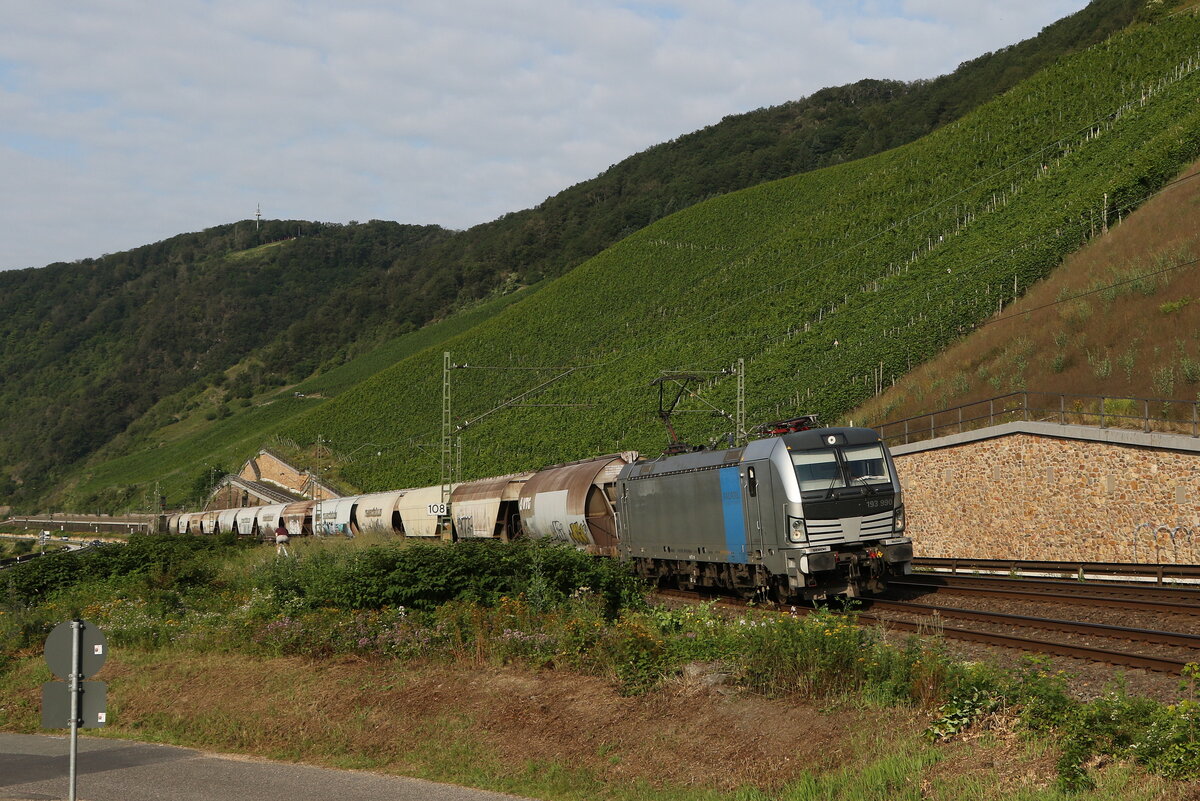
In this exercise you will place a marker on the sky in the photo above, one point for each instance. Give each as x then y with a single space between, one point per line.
124 122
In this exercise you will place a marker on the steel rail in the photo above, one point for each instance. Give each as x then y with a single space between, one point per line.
1076 570
1017 590
1113 589
1106 656
1058 587
1049 624
1124 659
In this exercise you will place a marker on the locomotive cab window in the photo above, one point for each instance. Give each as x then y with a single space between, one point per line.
817 470
835 468
865 464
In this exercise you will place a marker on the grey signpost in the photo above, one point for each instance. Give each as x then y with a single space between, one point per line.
75 650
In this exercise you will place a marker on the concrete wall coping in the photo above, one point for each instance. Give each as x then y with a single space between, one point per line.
1111 436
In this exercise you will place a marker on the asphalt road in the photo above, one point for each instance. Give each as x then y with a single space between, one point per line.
34 767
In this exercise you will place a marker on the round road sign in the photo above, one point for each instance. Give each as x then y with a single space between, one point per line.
93 649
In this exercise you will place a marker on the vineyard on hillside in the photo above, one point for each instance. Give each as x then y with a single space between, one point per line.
827 283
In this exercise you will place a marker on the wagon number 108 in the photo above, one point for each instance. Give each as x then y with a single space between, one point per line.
437 509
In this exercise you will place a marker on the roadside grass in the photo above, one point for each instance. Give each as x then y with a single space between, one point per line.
297 710
324 657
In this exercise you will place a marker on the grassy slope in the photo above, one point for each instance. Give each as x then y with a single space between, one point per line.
1089 328
578 741
892 257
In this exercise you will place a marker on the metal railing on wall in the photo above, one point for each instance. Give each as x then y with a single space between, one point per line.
1144 414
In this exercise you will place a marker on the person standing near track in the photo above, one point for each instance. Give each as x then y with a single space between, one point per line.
281 541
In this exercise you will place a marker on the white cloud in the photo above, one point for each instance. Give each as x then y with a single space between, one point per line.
126 122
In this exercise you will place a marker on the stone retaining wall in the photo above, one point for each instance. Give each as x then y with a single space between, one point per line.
1042 491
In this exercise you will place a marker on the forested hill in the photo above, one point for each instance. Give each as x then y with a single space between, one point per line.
88 348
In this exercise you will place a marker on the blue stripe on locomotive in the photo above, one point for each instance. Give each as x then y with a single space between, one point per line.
731 507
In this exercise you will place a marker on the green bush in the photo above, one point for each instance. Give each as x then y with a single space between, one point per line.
1163 738
166 564
424 576
1172 306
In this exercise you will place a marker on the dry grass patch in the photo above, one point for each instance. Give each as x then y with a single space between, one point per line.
392 717
558 735
1091 327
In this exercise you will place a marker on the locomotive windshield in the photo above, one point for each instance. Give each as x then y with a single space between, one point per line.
856 465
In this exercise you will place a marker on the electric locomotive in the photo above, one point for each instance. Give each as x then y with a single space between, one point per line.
804 514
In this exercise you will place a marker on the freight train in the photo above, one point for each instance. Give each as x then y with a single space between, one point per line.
801 514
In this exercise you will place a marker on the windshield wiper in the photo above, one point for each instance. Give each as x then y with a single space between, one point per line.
870 489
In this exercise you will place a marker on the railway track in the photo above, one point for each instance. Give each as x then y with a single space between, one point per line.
1105 655
1149 636
931 619
1113 596
1156 650
1081 571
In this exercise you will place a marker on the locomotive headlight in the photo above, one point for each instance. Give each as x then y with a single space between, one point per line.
796 530
898 520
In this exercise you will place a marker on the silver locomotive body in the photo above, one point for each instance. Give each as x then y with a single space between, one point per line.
807 514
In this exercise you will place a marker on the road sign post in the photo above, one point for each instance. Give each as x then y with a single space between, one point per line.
75 650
